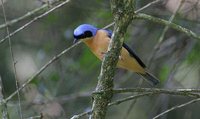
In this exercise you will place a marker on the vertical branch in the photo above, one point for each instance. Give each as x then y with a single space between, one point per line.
3 103
170 21
161 38
122 11
13 60
164 100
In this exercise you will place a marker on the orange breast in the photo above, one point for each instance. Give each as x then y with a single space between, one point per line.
99 45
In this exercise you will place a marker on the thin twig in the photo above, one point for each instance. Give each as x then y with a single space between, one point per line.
81 115
42 69
112 103
148 92
170 21
130 98
137 11
141 79
177 107
29 14
134 101
34 19
165 99
183 92
4 109
13 61
148 5
109 25
33 12
145 92
164 31
64 99
36 117
165 22
161 38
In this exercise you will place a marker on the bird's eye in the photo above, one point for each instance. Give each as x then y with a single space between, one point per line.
88 34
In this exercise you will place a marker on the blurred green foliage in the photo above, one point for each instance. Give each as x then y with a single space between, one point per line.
194 56
77 71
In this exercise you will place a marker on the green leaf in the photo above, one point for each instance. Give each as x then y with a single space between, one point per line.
164 72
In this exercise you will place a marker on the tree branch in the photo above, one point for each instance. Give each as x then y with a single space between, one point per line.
156 90
29 14
41 70
13 61
113 103
146 92
33 20
148 5
182 92
167 23
161 38
121 11
177 107
137 11
81 115
130 98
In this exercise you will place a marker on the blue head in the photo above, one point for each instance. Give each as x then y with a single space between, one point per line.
84 31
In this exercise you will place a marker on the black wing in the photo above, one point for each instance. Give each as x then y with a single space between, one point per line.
132 53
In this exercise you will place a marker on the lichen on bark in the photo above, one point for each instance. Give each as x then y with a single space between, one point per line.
123 14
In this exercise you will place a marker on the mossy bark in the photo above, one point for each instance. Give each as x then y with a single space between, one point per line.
123 15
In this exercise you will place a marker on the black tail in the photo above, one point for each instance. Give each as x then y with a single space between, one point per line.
151 78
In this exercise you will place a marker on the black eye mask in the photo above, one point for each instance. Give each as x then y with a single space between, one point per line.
86 34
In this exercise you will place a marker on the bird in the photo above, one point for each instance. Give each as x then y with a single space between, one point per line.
98 40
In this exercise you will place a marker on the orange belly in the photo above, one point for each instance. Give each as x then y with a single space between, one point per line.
125 61
99 45
128 62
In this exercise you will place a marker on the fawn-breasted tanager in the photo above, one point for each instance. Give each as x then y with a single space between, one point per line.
98 40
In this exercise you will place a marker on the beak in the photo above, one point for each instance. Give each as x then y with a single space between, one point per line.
75 41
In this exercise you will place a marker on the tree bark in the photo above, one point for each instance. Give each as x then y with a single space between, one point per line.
123 15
